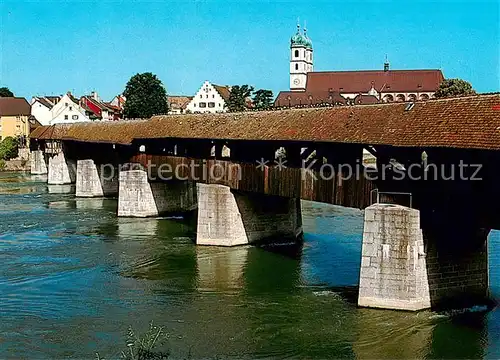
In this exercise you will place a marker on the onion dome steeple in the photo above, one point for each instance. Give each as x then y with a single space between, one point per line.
300 39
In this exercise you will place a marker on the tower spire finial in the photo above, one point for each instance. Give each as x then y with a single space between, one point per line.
298 26
386 63
305 28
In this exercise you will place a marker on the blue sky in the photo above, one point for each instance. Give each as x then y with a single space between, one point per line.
50 47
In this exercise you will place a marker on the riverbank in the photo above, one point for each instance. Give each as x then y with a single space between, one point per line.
14 165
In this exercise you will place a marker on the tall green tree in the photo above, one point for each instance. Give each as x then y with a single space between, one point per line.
9 148
238 96
145 96
454 87
263 99
5 92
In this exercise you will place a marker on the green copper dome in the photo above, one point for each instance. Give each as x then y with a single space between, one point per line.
300 39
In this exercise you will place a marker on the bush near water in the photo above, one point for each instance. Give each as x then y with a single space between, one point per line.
9 148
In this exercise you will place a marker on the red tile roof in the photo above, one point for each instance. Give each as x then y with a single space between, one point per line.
224 91
178 101
468 122
13 106
306 98
387 81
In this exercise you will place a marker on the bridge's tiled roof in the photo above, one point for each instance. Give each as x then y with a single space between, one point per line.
468 122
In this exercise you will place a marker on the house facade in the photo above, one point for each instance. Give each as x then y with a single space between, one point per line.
96 109
210 98
178 104
49 110
118 101
15 118
68 110
41 108
308 87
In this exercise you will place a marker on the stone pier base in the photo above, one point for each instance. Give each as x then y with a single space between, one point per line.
95 180
406 266
61 170
228 218
393 265
137 197
38 164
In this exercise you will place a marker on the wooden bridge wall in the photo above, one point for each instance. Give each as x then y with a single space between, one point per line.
288 182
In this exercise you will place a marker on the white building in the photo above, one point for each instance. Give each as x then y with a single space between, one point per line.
210 98
309 87
177 104
41 108
68 110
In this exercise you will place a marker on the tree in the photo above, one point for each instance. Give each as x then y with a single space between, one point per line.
9 148
454 87
5 92
237 97
263 99
145 96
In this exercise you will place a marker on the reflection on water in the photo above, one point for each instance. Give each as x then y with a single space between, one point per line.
221 268
73 277
61 189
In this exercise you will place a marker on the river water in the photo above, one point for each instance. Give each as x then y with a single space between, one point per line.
74 277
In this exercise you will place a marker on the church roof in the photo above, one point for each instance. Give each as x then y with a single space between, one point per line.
300 39
382 81
307 98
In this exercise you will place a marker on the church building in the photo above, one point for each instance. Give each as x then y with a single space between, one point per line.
308 87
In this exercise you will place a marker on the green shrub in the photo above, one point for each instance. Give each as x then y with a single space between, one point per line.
2 164
9 148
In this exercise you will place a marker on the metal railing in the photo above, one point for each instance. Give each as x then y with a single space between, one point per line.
391 195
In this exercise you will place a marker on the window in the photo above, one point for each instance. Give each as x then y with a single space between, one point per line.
66 104
70 108
75 117
203 104
194 105
220 105
296 66
65 117
201 96
296 53
213 96
211 104
207 96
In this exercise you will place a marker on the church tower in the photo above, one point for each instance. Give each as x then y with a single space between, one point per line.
301 60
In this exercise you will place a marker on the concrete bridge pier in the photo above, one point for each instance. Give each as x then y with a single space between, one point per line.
38 163
406 268
138 197
96 180
227 217
61 170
